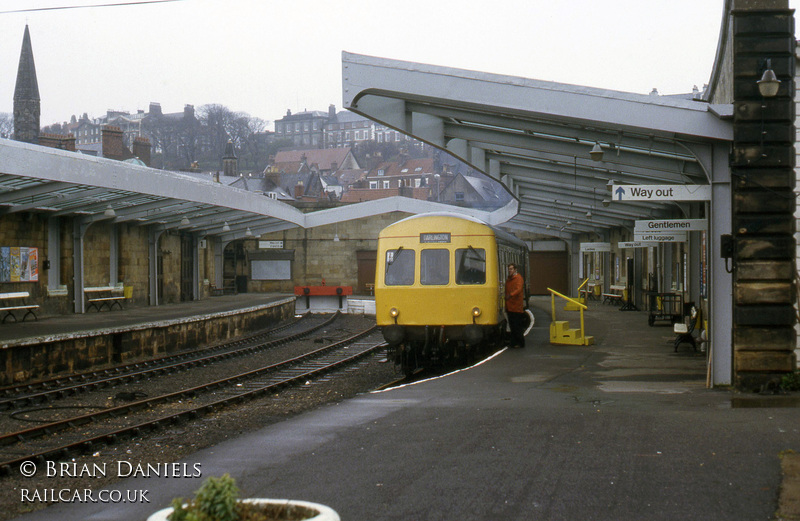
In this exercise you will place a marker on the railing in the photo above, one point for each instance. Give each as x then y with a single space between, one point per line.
581 307
580 288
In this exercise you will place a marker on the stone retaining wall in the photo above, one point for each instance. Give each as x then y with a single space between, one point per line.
48 357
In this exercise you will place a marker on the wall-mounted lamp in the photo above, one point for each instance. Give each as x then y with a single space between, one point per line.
589 214
606 202
610 185
769 83
109 212
336 237
185 221
248 233
596 152
226 227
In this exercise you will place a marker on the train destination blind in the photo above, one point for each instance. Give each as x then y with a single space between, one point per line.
434 237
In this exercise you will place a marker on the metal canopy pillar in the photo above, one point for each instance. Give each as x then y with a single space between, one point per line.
763 199
153 237
80 225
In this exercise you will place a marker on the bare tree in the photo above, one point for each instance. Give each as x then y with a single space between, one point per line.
6 125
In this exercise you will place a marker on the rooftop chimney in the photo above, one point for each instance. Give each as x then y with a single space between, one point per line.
141 149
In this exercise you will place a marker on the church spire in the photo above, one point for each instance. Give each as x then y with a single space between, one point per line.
27 104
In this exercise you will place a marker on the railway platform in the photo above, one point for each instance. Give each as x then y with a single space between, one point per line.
623 429
53 345
49 326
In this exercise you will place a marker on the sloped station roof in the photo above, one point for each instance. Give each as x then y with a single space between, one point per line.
531 135
535 137
60 183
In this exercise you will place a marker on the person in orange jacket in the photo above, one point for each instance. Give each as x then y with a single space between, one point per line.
515 306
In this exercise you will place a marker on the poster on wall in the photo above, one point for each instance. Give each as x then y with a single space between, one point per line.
15 264
19 264
5 264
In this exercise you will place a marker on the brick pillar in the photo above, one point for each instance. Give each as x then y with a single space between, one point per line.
113 148
763 180
142 149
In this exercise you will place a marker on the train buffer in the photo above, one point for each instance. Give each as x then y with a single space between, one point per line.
321 299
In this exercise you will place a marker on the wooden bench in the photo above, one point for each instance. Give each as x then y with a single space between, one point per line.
10 302
614 296
99 296
683 330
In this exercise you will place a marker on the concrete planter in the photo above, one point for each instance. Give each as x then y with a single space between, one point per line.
324 513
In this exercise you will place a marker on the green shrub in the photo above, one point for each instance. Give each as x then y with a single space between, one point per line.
217 500
791 381
214 501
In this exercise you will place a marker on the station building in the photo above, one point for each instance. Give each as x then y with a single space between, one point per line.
569 156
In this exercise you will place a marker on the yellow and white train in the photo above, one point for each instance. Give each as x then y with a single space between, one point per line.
439 287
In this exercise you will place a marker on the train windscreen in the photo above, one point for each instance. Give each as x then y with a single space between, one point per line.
399 267
471 266
435 268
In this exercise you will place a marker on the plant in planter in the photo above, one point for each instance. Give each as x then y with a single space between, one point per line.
218 500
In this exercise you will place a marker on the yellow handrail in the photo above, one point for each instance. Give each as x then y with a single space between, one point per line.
582 285
581 307
554 292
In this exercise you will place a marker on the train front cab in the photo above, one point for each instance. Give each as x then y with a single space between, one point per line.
438 290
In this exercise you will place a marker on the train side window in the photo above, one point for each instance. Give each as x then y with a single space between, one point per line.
399 267
435 267
471 266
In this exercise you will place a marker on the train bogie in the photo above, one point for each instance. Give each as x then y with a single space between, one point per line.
439 287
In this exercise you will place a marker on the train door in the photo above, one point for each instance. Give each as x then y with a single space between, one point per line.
551 269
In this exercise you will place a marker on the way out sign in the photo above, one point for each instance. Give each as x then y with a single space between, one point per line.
661 192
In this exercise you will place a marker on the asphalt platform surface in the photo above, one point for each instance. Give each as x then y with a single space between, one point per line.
45 327
624 429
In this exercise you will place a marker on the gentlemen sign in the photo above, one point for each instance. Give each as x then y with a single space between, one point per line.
671 226
661 192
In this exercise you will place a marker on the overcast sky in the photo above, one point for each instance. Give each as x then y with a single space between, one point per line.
264 57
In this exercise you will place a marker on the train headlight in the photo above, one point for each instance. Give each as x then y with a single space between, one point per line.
394 312
476 311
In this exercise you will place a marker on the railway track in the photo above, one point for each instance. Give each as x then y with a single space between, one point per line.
85 432
47 391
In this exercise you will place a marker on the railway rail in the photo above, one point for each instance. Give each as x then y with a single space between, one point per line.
14 397
40 443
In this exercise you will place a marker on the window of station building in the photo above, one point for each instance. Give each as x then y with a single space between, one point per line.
459 196
399 267
470 266
373 185
434 267
386 184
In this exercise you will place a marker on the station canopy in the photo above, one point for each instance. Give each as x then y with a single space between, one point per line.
60 183
536 137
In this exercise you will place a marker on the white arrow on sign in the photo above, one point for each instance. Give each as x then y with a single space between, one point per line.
661 192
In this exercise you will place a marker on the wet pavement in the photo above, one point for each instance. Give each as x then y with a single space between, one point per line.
622 429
